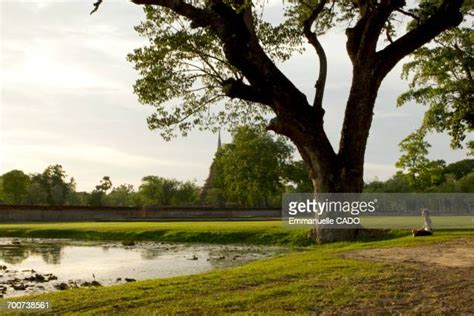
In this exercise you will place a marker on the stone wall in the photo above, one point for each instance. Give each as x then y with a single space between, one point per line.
23 213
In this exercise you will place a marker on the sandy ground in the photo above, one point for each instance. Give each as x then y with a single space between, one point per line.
429 280
459 253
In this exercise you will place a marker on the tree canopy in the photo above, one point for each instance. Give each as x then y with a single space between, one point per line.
442 80
160 191
15 186
249 171
51 186
214 62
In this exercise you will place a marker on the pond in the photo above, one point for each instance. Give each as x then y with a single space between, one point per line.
38 265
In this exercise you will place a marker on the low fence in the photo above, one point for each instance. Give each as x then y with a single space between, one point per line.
26 213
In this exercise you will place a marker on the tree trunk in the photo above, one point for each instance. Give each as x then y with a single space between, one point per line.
344 172
337 184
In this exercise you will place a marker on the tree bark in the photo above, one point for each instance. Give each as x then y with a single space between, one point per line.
340 172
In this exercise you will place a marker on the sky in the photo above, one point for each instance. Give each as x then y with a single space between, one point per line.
66 97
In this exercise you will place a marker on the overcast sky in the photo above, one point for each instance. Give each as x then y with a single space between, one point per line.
66 98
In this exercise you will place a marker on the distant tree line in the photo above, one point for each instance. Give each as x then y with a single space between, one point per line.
53 187
417 173
431 176
254 170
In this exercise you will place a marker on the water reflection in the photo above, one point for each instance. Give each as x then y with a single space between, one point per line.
78 262
15 254
151 253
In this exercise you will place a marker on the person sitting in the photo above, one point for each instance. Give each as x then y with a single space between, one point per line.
427 230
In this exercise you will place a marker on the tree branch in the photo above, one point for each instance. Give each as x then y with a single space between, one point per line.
323 65
235 88
446 16
363 37
241 48
96 6
410 14
200 17
267 84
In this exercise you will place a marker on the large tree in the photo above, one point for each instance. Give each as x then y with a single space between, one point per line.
160 191
207 52
251 168
51 187
15 185
99 195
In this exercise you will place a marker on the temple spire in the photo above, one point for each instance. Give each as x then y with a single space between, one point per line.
219 144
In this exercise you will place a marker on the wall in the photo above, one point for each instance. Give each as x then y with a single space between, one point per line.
22 213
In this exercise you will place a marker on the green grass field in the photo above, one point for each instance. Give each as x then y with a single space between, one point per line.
261 232
314 280
205 232
410 222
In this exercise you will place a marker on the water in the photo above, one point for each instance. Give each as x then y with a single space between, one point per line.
66 263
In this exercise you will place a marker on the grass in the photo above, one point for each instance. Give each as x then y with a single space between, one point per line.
264 233
409 222
205 232
312 281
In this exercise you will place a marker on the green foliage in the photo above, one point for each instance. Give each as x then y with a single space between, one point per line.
414 149
15 186
442 79
122 195
2 195
214 197
187 194
98 196
463 184
399 183
37 195
297 178
157 191
165 192
460 168
184 73
186 67
250 168
104 185
433 176
51 187
422 172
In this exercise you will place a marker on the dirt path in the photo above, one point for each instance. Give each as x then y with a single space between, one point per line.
458 253
435 279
